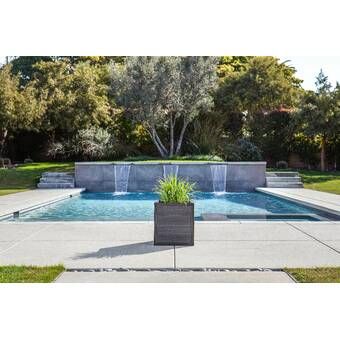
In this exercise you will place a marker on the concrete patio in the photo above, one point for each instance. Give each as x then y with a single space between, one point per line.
218 245
97 245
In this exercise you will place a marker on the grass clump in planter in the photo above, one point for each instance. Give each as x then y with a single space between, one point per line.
174 213
174 190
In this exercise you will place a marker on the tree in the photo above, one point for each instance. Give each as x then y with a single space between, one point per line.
230 64
160 92
24 67
19 107
75 96
263 85
319 114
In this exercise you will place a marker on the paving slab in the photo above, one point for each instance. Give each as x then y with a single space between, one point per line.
17 232
263 231
27 199
174 277
256 254
321 231
5 245
333 244
91 231
89 254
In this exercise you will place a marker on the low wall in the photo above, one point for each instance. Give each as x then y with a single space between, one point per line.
100 176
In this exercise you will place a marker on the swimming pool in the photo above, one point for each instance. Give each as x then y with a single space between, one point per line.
140 206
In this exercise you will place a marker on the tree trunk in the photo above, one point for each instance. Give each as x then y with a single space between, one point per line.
156 140
172 126
323 154
180 139
3 136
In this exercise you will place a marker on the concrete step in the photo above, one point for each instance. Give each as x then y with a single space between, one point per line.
284 185
55 185
56 180
283 179
282 174
57 174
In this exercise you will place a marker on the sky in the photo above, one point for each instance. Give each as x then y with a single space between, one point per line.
307 68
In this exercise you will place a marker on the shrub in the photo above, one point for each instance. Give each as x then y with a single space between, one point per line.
89 144
56 150
282 165
242 150
92 144
174 190
211 158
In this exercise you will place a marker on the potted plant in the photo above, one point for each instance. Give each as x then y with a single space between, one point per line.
174 213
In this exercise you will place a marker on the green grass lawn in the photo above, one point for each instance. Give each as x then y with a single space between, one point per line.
321 181
26 176
318 180
315 275
29 274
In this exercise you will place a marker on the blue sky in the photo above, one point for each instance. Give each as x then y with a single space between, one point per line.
307 68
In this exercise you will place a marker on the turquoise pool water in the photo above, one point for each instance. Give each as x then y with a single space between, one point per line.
139 207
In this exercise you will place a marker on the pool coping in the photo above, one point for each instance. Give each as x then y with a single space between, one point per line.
168 162
296 198
77 191
67 194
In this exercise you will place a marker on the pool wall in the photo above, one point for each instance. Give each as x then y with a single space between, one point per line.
100 176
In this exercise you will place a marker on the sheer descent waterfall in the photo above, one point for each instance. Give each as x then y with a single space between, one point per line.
122 172
170 169
219 177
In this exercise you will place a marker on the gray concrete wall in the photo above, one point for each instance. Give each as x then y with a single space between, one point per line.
241 176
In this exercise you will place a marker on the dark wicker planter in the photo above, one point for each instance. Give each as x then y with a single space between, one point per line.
174 224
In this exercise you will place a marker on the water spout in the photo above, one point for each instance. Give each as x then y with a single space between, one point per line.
170 169
219 178
122 172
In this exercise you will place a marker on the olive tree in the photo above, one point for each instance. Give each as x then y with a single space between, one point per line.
165 93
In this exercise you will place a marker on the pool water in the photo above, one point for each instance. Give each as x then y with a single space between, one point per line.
140 207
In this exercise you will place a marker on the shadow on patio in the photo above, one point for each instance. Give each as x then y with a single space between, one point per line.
124 250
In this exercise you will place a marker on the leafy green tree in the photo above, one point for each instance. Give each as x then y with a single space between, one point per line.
319 114
230 64
19 108
24 67
263 85
75 96
163 92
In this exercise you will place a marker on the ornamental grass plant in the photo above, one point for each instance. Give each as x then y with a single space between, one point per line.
174 190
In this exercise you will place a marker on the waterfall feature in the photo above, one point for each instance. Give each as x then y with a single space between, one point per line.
122 172
170 169
219 177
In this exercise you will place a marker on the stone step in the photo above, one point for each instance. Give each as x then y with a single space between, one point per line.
55 185
57 174
284 185
56 180
283 179
282 174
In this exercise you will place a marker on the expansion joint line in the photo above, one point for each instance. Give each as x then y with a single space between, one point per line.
314 238
175 257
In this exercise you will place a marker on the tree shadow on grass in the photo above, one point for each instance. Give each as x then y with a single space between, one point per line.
310 177
140 248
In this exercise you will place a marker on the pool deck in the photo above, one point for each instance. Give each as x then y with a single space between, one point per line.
312 198
33 198
219 246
